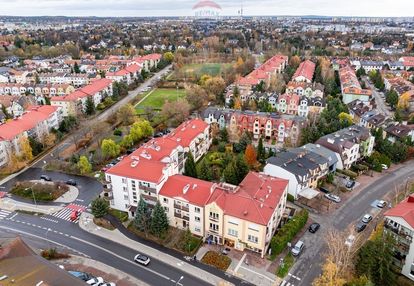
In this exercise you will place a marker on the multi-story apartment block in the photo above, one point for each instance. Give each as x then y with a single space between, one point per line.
304 72
36 122
399 223
350 143
269 126
144 172
350 86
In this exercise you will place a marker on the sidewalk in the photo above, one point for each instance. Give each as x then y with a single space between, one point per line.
86 223
96 268
68 197
12 205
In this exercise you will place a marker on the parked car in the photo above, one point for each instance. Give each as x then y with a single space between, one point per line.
81 275
297 249
384 167
314 227
333 198
350 184
350 240
367 218
323 190
45 178
71 182
158 134
142 259
95 281
381 204
360 226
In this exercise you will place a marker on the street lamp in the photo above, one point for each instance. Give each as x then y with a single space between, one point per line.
181 278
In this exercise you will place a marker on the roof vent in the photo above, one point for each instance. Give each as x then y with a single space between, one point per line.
134 163
245 212
261 205
185 189
194 186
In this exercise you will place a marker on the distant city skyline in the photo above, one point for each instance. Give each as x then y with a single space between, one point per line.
140 8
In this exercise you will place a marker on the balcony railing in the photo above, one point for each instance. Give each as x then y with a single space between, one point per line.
148 189
401 233
181 207
177 215
186 218
150 198
214 230
213 218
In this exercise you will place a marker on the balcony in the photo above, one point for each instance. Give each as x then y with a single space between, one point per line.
213 218
108 196
213 230
149 198
403 236
186 218
181 207
148 189
177 215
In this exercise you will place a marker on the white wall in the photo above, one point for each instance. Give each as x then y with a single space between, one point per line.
276 171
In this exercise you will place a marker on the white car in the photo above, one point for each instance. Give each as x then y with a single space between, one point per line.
384 167
297 249
333 198
95 281
350 240
142 259
367 218
381 204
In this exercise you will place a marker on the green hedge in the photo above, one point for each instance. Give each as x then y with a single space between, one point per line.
287 232
290 198
349 173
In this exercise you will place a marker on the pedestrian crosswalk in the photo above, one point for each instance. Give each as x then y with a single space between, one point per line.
66 212
4 214
285 283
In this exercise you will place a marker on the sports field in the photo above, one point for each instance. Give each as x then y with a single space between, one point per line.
191 71
158 97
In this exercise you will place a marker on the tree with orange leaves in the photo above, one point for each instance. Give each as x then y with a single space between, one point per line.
250 155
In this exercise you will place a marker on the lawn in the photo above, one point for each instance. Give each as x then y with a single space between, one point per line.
191 71
158 97
41 191
220 261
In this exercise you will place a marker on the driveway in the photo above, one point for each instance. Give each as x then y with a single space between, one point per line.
308 266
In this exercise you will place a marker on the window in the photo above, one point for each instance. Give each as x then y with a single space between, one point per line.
252 238
197 229
214 215
412 269
214 226
166 209
197 219
125 189
124 180
233 232
126 197
165 200
197 210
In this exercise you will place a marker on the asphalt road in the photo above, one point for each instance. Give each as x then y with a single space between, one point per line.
89 188
118 256
381 106
308 265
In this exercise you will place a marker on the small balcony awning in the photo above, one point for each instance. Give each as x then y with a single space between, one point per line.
309 193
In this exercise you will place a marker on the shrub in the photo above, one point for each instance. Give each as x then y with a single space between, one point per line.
117 132
99 207
52 253
283 269
100 106
349 173
287 232
290 198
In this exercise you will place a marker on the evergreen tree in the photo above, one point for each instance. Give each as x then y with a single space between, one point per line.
190 166
159 220
241 168
90 106
115 92
99 207
230 173
260 150
76 68
142 216
204 171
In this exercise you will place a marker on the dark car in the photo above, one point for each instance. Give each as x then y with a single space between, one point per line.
350 184
360 226
81 275
45 178
314 227
323 190
158 134
71 182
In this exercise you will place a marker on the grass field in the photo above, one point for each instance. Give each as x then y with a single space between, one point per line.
197 70
158 97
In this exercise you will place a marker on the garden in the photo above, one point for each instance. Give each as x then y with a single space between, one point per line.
217 260
158 97
39 191
195 71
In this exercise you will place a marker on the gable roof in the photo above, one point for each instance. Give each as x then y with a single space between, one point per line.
404 210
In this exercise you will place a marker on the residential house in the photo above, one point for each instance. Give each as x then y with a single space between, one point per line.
399 223
304 72
350 143
400 131
351 88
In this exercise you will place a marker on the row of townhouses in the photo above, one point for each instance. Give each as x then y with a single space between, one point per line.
36 122
36 89
350 86
272 127
243 217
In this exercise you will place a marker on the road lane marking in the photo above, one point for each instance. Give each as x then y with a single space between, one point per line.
257 273
120 257
240 263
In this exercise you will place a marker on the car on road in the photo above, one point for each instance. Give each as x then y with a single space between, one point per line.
381 204
314 227
333 198
71 182
45 178
74 215
297 249
81 275
95 281
142 259
360 226
367 218
350 240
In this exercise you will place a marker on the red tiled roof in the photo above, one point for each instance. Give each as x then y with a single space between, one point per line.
404 210
188 131
133 68
89 90
34 115
255 199
194 191
305 69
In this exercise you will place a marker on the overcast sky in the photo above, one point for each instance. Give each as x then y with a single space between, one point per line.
140 8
